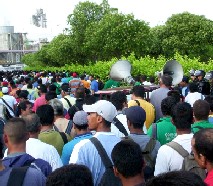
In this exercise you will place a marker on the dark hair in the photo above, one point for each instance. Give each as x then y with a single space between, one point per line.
32 123
46 114
30 85
22 106
23 94
127 158
143 77
80 92
204 143
166 80
1 149
175 94
137 78
81 127
16 129
193 87
201 109
52 88
107 123
50 95
89 99
176 178
182 115
118 99
138 91
167 104
43 88
209 99
73 174
152 79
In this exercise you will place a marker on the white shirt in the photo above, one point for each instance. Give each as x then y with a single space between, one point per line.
192 97
123 120
39 149
11 101
170 160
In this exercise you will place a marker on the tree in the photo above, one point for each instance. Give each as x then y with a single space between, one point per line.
187 34
116 35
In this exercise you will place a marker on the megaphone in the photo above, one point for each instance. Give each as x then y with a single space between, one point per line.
175 70
121 70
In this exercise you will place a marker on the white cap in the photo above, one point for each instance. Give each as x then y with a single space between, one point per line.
5 90
103 108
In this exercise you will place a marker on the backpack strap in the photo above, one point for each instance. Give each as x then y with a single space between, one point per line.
120 126
68 102
177 147
76 108
8 106
64 137
154 130
69 127
17 176
137 102
101 151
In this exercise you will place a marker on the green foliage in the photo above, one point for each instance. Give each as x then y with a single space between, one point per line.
145 65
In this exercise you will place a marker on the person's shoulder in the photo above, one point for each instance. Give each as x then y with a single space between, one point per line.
34 177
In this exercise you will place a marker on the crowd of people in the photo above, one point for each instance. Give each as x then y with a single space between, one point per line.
56 131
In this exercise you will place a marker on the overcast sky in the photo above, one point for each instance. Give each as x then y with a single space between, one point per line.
18 13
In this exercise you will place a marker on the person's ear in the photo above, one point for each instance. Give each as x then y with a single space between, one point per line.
172 121
116 173
5 138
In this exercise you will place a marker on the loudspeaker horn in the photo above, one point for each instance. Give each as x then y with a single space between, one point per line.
121 70
175 70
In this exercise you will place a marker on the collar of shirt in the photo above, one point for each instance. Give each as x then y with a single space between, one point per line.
104 133
15 154
167 119
81 135
200 122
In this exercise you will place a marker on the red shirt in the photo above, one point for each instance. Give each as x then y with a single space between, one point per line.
38 102
209 178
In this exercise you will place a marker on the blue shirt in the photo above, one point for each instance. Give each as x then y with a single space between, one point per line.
94 85
68 148
85 153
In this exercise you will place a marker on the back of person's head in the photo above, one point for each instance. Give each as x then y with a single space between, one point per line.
167 104
209 99
89 99
82 77
118 99
23 94
52 88
136 115
166 80
43 88
30 85
127 158
137 78
80 92
138 91
152 79
57 107
16 130
204 143
143 77
73 174
46 115
182 115
176 178
201 109
175 94
33 123
80 120
193 87
50 95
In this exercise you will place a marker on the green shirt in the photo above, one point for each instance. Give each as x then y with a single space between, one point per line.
53 138
201 124
137 83
111 84
166 131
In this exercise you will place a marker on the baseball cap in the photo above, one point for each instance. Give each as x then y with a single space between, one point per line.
103 108
135 114
5 90
185 79
74 75
4 83
80 118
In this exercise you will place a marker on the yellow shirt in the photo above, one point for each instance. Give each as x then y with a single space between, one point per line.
149 109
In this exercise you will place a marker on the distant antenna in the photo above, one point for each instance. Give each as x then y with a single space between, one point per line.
39 19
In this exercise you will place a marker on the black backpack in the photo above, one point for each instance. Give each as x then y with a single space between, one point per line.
108 178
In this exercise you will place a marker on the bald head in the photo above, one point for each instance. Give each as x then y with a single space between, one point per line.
33 123
16 130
